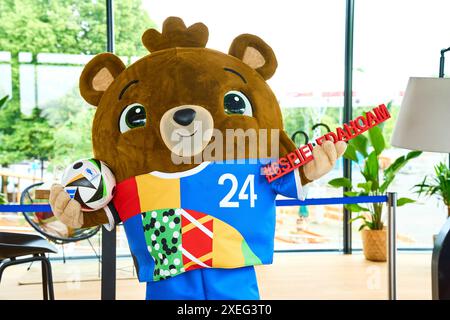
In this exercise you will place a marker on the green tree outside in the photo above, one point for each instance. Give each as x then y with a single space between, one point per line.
67 27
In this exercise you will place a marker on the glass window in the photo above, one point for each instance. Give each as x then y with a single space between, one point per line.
40 71
393 41
43 48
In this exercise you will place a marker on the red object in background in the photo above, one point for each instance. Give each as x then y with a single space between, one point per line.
303 155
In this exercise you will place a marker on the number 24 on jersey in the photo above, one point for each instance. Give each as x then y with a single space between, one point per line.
246 191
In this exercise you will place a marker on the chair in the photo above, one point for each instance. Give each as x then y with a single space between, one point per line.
15 245
50 227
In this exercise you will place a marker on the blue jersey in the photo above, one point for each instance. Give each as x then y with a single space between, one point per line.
217 215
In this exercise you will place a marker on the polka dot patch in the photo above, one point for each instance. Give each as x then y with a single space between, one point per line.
162 230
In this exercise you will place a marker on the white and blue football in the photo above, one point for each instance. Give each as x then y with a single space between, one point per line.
90 182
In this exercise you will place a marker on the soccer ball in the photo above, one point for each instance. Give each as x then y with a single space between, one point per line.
90 182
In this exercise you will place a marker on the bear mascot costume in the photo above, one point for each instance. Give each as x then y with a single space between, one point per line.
197 211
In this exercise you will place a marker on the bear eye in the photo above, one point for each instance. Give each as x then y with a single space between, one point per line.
235 102
133 116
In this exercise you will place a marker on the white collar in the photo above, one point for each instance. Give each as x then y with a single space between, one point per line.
175 175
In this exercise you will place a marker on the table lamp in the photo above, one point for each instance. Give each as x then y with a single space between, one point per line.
424 119
423 124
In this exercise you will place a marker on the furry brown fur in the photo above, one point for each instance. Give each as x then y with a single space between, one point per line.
179 71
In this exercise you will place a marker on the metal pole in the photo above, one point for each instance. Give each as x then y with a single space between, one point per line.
392 246
348 110
108 288
441 75
442 62
441 65
110 26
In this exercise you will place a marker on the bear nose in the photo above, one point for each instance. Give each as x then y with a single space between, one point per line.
184 116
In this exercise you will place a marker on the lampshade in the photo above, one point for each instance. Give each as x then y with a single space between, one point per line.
424 119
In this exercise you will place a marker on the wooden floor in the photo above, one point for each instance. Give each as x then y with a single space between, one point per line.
292 276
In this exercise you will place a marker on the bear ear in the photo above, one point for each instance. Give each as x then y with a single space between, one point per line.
253 51
98 75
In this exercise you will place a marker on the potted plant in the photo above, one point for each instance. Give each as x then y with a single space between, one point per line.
369 148
439 185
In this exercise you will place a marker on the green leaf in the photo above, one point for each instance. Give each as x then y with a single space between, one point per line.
366 186
357 218
351 193
377 140
360 143
340 182
403 201
388 106
350 153
370 225
395 166
438 184
423 187
355 207
370 171
400 162
3 101
412 155
391 171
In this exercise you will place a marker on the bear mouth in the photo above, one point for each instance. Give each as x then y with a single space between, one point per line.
188 135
